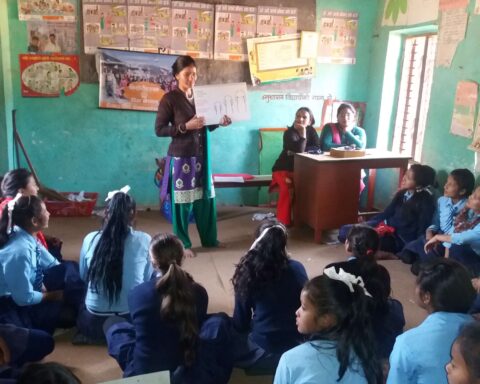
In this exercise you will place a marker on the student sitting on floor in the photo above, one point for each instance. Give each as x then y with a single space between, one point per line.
300 137
35 290
420 354
166 314
387 313
47 373
112 261
409 213
267 286
465 239
341 348
464 367
21 181
459 186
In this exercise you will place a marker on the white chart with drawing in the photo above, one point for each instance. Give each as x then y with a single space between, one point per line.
216 100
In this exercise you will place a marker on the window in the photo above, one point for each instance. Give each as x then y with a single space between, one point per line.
414 95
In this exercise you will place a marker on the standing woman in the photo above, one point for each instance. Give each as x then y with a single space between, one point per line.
189 179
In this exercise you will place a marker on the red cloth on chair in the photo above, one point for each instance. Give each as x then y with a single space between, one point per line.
284 203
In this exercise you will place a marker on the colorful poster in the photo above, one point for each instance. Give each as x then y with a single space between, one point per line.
149 25
105 24
463 118
48 75
233 25
276 21
51 37
48 10
409 12
134 80
277 58
192 29
337 40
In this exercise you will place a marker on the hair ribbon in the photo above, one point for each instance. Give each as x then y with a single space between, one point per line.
124 190
346 278
10 207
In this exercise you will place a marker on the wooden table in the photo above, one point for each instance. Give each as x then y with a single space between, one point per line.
327 189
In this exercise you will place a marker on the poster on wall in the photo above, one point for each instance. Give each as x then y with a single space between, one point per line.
475 145
337 40
51 37
453 25
476 10
409 12
233 25
105 24
192 29
451 4
48 75
276 21
277 58
51 10
134 80
463 118
149 26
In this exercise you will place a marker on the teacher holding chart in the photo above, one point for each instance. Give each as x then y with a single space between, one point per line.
188 177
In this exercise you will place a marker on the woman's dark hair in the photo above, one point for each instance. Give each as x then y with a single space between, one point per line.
106 266
264 262
310 113
13 181
25 209
47 373
363 242
344 106
469 343
464 179
181 63
352 329
423 175
176 289
449 285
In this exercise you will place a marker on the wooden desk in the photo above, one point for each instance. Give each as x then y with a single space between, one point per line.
327 189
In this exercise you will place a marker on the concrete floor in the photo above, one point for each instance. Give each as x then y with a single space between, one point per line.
213 268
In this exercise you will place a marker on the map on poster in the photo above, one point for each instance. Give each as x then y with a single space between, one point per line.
134 80
192 29
52 37
233 25
48 75
338 37
149 25
276 21
105 24
51 10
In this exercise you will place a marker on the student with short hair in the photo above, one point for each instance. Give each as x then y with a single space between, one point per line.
47 373
464 366
267 285
334 315
420 354
113 260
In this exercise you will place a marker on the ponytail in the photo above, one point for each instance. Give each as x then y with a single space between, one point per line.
178 305
363 242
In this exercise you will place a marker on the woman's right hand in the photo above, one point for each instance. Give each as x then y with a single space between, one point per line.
196 122
301 129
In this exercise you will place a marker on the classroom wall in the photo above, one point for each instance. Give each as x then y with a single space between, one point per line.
441 150
76 146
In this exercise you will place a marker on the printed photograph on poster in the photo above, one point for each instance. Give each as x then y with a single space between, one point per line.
276 21
463 118
51 37
51 10
337 40
149 26
217 100
48 75
192 29
233 25
134 80
105 24
277 58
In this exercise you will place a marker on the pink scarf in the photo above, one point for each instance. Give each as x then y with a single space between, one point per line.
336 134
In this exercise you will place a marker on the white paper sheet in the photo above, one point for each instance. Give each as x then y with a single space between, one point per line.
309 45
453 24
216 100
151 378
476 10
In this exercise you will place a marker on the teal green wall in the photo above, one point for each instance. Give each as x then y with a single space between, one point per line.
76 146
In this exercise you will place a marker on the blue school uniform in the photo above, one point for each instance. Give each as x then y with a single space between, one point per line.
420 354
150 343
266 320
136 270
316 362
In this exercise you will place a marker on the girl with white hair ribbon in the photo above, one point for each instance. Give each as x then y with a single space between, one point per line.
113 260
